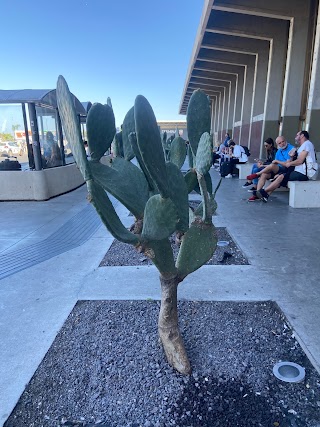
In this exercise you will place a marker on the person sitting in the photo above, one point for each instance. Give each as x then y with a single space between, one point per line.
216 155
52 152
259 165
296 168
86 148
226 141
277 167
236 155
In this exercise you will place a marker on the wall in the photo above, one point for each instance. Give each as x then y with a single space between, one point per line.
39 185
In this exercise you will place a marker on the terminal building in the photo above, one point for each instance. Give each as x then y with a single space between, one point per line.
259 63
174 127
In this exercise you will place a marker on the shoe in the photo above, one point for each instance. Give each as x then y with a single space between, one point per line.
252 176
263 195
252 189
247 184
253 199
228 176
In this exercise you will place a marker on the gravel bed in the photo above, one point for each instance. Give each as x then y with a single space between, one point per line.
107 368
122 254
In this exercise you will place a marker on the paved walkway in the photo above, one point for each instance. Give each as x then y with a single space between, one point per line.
280 242
73 233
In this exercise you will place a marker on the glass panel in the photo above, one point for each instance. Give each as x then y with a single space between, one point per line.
48 136
67 149
12 133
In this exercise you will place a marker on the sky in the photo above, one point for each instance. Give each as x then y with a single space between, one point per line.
103 48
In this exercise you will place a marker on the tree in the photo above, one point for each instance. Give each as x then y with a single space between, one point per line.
5 137
14 128
156 194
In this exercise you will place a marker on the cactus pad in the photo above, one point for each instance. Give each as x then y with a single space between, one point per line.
125 182
178 151
71 127
160 218
204 155
198 118
197 247
179 195
149 143
105 209
128 126
100 129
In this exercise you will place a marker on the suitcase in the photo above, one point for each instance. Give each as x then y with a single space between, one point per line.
226 168
10 165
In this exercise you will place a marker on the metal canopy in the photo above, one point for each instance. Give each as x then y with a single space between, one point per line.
45 97
87 106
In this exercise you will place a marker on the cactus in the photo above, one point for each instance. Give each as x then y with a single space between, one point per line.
157 194
198 118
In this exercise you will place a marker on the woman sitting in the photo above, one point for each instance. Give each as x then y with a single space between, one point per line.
259 165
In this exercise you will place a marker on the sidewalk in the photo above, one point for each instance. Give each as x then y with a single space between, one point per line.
280 243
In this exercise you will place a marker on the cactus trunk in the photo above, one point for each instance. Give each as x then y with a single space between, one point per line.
168 326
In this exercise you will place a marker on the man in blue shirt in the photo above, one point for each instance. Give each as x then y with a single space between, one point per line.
284 153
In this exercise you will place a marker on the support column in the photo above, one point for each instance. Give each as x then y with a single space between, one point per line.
238 107
294 84
233 95
275 77
247 104
257 113
313 111
35 137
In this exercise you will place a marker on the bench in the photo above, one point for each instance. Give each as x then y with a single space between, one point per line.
304 194
244 169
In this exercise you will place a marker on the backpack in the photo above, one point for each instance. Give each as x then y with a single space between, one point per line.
246 150
312 168
10 165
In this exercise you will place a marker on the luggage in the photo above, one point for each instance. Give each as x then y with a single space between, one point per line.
10 165
226 168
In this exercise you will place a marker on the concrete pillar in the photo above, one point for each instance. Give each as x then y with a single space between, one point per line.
215 113
295 73
237 123
313 109
212 116
274 91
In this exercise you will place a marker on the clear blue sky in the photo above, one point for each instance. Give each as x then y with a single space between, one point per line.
103 48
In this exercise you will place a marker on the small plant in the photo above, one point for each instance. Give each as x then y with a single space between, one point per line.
156 193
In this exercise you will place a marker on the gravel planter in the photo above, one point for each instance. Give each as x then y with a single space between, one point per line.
120 254
107 368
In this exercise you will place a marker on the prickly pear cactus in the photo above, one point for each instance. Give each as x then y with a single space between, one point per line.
156 193
198 118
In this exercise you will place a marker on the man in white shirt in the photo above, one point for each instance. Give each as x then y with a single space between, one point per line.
305 150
